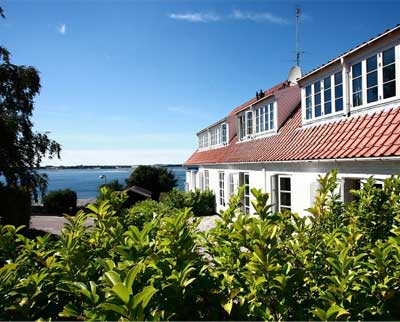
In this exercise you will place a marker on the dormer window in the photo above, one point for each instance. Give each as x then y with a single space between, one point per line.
265 118
259 120
374 78
214 136
324 97
203 140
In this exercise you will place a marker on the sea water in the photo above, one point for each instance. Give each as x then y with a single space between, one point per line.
86 182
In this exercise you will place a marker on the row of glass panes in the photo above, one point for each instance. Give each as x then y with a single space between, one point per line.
264 118
324 96
218 135
379 73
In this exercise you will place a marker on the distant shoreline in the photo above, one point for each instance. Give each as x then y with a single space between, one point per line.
87 167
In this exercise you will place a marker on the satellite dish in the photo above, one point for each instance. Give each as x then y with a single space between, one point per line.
294 74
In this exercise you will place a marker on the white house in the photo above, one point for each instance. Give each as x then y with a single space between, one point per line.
344 114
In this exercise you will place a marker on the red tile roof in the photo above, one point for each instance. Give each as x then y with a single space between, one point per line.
376 135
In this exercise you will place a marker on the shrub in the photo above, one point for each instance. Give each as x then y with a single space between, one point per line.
60 201
144 212
267 266
202 203
155 179
15 206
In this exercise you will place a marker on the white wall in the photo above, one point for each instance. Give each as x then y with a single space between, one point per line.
304 176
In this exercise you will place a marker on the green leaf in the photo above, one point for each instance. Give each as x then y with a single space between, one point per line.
335 309
115 308
122 292
113 277
144 296
228 306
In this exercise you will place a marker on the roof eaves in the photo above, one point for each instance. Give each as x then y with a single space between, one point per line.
212 125
349 52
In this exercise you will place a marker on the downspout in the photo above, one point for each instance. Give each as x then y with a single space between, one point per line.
346 86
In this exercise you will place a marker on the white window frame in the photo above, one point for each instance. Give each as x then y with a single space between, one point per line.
280 206
243 119
206 180
221 181
333 98
363 60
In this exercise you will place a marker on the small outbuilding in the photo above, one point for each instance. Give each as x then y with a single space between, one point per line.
136 194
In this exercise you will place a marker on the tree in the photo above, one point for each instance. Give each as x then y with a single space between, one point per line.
21 149
113 185
155 179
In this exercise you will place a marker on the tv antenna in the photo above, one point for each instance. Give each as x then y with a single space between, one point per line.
298 52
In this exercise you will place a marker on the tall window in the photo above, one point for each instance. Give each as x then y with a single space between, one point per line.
317 99
327 96
389 73
265 118
244 181
203 140
201 181
285 194
232 188
242 126
224 129
249 116
372 79
356 74
308 103
206 180
221 188
338 91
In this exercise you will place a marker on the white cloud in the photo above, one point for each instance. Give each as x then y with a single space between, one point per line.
62 29
259 17
195 17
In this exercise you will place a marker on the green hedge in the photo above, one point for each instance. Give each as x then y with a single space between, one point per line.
202 203
60 201
342 262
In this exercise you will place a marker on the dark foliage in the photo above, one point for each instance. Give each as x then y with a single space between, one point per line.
155 179
15 206
60 201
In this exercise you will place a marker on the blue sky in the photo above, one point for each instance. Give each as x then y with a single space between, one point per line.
130 82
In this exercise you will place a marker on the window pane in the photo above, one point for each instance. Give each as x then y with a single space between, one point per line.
338 78
317 110
317 87
285 199
308 102
339 104
328 108
327 82
372 94
284 183
371 63
372 79
356 70
357 99
317 99
308 113
308 90
357 85
388 56
389 73
338 91
389 89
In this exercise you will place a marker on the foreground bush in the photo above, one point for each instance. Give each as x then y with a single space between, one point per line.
342 263
15 206
60 201
201 203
